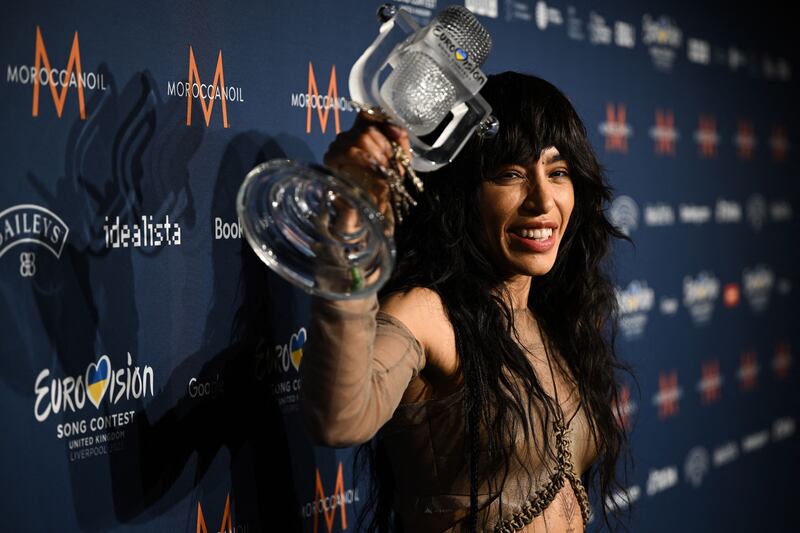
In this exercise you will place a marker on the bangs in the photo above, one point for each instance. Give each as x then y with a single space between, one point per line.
534 115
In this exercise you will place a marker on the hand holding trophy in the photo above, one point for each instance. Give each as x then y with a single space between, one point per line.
331 234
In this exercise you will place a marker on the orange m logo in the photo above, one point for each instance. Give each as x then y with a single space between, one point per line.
665 123
330 510
327 103
74 62
668 388
217 88
616 137
226 525
711 378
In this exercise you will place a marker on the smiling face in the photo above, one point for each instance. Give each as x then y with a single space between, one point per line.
525 208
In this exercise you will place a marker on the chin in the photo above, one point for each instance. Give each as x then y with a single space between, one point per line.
536 267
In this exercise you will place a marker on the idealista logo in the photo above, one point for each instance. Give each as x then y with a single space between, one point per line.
45 73
207 94
29 223
700 293
150 234
100 383
312 100
635 303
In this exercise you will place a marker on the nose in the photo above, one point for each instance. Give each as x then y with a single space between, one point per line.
539 198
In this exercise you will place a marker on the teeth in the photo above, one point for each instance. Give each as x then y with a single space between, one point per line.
537 234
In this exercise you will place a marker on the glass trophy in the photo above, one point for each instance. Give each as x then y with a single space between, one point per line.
321 231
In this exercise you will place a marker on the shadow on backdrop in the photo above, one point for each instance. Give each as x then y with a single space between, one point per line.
131 159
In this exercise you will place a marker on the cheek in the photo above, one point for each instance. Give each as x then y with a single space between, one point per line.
495 209
566 204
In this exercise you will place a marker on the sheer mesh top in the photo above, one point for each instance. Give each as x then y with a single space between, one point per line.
357 364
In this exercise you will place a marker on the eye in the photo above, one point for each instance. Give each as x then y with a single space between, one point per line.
560 173
509 176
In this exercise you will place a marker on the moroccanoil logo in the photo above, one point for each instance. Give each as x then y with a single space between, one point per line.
312 101
207 94
226 526
59 80
330 504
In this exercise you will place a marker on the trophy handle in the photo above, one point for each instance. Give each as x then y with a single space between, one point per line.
399 34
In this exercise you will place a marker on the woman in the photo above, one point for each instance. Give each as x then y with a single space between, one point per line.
487 370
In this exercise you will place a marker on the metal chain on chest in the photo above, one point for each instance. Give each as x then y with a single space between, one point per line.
544 496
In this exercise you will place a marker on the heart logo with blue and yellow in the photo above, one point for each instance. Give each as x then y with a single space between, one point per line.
460 54
98 377
296 346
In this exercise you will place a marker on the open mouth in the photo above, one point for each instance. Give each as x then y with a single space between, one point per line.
535 234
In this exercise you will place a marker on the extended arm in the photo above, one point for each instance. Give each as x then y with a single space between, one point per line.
357 364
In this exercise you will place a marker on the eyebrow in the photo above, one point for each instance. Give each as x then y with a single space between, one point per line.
554 158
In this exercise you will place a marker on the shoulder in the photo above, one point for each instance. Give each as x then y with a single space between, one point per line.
422 311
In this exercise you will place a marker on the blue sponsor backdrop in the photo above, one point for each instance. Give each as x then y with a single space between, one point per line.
149 361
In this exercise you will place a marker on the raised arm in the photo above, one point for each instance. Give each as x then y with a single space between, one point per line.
357 362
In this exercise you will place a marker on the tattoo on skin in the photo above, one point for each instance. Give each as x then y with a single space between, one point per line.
568 506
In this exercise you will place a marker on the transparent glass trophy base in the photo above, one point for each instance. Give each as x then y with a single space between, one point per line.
318 231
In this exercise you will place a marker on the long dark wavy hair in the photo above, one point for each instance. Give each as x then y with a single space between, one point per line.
441 246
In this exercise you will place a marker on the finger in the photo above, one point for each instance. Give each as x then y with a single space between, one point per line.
398 135
377 135
372 146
